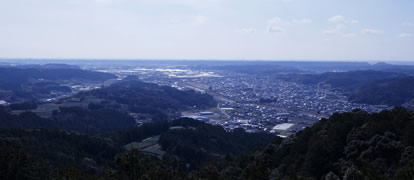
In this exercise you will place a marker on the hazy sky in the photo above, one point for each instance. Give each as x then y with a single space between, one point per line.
208 29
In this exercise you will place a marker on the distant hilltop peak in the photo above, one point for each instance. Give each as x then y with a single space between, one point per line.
381 64
60 66
49 66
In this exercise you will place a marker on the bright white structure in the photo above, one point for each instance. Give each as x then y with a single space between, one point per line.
283 126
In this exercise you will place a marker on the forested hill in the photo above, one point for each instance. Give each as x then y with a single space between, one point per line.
32 83
55 154
17 76
353 145
69 118
349 146
368 87
47 66
106 109
161 102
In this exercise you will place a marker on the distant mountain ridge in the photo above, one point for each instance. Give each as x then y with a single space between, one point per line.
369 87
33 82
47 66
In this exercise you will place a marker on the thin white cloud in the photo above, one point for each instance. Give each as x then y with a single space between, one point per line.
354 21
277 24
276 21
341 23
336 19
342 19
302 21
339 31
367 31
404 35
335 30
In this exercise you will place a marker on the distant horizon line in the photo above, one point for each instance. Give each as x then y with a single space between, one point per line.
217 60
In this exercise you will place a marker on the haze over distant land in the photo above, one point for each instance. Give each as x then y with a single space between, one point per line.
195 61
380 30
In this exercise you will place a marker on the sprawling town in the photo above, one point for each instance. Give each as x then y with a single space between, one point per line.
255 103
